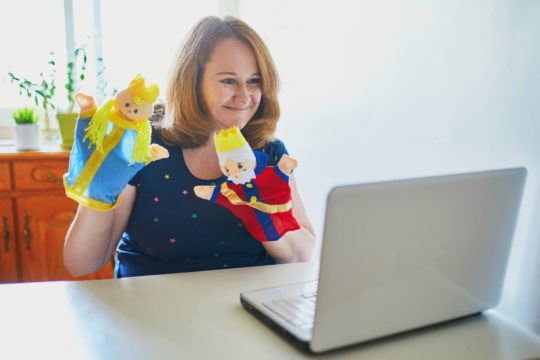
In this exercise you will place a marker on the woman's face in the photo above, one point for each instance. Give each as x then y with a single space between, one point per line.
231 84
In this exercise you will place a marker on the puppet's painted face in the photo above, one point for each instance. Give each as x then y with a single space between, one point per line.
131 110
239 172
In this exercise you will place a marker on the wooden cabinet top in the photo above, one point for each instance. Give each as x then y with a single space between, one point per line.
8 153
26 172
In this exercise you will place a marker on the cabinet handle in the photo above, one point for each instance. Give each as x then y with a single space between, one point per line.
52 179
5 233
26 232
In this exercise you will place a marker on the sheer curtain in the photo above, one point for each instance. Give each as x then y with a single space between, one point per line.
410 89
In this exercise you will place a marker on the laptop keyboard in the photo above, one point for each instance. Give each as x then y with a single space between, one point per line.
299 310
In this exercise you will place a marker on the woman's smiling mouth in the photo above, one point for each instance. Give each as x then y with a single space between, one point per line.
238 108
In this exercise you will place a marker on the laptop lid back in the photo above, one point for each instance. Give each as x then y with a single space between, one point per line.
400 255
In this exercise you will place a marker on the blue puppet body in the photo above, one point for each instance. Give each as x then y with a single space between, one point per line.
112 144
96 177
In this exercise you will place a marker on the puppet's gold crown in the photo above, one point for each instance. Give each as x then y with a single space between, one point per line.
229 139
142 93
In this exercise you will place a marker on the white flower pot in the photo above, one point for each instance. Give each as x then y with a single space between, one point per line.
27 137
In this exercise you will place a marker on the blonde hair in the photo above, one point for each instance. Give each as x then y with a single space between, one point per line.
190 126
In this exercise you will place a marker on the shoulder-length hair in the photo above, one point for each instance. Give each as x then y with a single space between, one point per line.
190 126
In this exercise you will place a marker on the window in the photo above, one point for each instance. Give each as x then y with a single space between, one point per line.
30 30
143 36
129 36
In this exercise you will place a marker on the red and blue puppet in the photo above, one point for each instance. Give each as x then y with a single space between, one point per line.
259 195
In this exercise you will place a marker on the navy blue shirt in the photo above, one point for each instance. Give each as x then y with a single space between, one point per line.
171 230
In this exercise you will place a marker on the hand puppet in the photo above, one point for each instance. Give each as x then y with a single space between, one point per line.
259 195
111 145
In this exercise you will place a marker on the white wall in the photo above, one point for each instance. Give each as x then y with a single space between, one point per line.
381 89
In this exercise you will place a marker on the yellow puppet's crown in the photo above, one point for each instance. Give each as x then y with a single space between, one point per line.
229 139
142 93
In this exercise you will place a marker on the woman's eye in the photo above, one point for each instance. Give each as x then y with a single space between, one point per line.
254 81
126 104
228 81
226 170
136 111
240 166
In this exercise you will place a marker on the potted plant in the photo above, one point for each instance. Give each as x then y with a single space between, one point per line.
76 74
44 93
26 128
67 119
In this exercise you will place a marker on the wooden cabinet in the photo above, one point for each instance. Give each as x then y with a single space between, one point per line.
8 251
35 215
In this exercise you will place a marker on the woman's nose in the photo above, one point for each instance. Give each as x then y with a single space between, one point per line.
242 93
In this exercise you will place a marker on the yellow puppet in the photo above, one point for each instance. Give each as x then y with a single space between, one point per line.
111 145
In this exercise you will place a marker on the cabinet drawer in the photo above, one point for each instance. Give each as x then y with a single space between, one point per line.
35 175
5 176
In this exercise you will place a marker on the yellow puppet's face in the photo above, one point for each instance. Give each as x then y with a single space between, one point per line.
128 107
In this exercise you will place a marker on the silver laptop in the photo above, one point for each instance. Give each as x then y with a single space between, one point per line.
400 255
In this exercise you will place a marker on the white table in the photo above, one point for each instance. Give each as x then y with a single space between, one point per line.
199 316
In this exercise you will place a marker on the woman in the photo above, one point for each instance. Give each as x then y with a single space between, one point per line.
223 77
